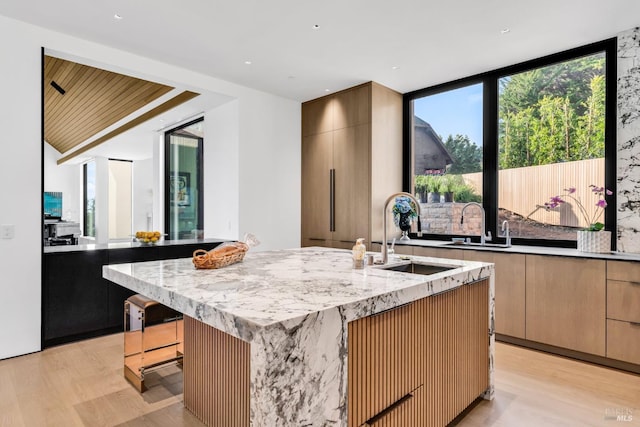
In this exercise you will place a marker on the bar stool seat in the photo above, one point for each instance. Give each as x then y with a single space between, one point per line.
153 337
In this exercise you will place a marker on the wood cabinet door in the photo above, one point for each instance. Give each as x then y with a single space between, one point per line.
351 165
566 302
317 116
316 167
352 107
509 290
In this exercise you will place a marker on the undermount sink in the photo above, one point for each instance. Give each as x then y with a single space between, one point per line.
416 268
488 245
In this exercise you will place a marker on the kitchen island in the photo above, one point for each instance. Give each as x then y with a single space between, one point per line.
297 337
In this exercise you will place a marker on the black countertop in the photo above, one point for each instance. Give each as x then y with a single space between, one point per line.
128 245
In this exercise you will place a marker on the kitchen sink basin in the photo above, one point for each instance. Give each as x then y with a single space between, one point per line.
416 268
479 245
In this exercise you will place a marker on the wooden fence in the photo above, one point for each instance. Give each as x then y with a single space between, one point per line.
523 190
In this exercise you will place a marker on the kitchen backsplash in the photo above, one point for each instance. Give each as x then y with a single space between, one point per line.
628 127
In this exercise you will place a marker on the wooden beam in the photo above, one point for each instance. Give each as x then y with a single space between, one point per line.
168 105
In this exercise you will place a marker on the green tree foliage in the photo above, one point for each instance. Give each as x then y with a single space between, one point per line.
466 155
553 114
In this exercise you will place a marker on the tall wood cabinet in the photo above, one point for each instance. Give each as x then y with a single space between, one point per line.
351 161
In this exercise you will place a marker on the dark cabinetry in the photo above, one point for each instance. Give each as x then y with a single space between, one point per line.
75 294
78 303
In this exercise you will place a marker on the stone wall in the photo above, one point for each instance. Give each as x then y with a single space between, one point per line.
628 174
444 218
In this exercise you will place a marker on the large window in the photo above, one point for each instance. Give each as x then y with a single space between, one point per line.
544 133
552 133
447 156
89 198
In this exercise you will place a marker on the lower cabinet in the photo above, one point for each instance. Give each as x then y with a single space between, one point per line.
74 294
623 341
420 364
566 302
509 290
78 303
623 316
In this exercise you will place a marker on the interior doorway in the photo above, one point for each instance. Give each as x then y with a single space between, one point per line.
184 181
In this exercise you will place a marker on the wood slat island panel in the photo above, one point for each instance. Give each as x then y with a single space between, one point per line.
420 364
216 375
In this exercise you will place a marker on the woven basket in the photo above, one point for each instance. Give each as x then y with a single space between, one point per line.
219 257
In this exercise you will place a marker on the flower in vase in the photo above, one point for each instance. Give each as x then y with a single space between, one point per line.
569 195
404 207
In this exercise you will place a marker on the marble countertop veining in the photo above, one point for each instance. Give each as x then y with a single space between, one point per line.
276 288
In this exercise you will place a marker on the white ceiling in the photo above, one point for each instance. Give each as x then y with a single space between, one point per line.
358 40
405 44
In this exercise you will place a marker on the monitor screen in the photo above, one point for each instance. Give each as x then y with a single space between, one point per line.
53 204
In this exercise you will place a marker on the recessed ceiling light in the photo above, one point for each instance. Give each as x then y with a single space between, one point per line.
316 27
395 67
504 30
327 90
247 62
118 17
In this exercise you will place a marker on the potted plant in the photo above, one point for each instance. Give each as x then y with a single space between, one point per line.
420 187
447 186
433 188
593 238
464 193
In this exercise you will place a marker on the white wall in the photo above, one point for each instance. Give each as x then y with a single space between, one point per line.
221 181
21 191
142 194
270 172
267 167
66 178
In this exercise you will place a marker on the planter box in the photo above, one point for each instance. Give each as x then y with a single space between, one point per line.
594 241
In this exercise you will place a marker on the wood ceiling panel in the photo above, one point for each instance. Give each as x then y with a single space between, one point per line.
94 99
166 106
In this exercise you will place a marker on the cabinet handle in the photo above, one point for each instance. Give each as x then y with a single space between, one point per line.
371 421
635 283
332 200
636 324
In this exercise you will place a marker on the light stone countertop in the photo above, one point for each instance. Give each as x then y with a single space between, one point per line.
285 286
293 306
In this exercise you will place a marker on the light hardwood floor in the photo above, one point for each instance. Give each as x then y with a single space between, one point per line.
81 384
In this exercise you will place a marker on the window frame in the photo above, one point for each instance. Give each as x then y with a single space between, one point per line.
85 200
167 174
490 81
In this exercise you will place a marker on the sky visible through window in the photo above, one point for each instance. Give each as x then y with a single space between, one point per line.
453 112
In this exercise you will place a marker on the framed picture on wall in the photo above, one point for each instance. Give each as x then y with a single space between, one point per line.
179 188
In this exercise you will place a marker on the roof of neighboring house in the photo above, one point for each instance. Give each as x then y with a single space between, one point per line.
430 150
